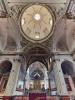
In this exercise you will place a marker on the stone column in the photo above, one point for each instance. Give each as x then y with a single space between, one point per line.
49 86
25 83
12 82
25 66
59 78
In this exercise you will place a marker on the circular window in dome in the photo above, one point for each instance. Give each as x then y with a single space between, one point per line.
36 22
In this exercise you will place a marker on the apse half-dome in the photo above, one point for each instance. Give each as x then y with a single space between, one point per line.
36 22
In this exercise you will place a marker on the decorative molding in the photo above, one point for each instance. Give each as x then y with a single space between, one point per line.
17 59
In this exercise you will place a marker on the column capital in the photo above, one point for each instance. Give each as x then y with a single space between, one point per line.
56 58
17 60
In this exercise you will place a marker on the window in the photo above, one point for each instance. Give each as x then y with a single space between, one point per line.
73 78
68 84
3 82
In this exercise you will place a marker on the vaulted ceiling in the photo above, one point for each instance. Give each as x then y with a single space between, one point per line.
63 38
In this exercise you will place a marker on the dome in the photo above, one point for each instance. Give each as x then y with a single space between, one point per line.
36 22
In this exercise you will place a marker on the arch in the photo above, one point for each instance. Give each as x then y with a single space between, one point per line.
37 71
67 67
69 73
38 58
37 66
34 46
37 54
5 66
37 49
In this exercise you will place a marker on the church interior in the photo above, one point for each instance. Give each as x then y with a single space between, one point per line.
37 48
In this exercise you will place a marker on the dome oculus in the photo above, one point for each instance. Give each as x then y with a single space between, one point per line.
36 22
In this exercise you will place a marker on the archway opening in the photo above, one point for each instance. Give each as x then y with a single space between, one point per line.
69 74
67 68
37 77
5 68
